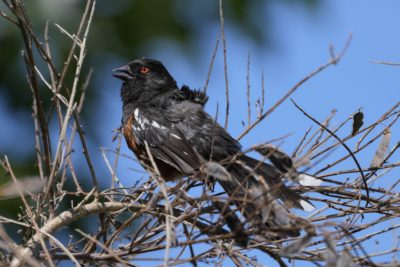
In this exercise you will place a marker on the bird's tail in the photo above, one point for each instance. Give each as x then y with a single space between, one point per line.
254 187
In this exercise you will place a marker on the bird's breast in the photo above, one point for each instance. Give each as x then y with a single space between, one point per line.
128 134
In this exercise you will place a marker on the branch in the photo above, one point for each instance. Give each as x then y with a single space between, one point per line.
68 217
221 17
333 61
343 144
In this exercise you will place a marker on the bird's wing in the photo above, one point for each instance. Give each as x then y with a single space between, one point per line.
164 141
202 131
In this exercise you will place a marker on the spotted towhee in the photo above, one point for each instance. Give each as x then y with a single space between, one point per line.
170 123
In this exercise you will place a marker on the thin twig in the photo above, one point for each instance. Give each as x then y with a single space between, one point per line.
248 91
82 52
332 61
221 18
210 68
343 144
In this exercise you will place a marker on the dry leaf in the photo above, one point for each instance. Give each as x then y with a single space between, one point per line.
345 260
333 259
216 171
296 247
26 185
381 152
331 255
357 122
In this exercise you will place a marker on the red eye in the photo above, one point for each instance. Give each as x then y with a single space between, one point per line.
144 70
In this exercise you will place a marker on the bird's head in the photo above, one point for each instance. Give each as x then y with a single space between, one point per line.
143 78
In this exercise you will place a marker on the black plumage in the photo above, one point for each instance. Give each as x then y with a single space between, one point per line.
181 137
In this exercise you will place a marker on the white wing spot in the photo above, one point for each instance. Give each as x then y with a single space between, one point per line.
306 206
308 180
143 122
136 113
155 124
184 152
177 137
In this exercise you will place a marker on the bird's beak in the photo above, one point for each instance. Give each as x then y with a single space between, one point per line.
124 73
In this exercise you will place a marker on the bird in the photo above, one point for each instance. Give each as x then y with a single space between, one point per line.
170 124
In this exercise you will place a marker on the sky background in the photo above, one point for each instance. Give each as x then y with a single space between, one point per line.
300 43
